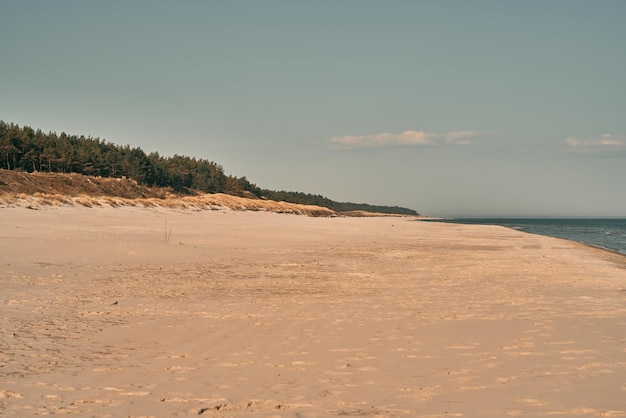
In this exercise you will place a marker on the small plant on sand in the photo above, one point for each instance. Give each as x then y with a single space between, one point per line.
168 234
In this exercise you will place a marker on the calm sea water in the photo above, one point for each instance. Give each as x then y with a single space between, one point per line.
608 233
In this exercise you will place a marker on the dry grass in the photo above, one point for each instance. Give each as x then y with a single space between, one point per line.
44 190
216 201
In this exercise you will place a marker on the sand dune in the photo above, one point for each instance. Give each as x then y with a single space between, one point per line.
208 201
150 311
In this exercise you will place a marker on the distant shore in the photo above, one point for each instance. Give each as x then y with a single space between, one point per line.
159 311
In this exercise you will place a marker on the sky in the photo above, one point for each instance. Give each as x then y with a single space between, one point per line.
451 108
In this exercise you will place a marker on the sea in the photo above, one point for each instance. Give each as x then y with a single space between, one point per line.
606 233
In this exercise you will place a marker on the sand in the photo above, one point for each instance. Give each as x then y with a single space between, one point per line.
105 312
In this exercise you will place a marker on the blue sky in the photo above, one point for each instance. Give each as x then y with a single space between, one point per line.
452 108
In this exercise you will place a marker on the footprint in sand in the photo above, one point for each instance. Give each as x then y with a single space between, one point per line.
9 394
137 393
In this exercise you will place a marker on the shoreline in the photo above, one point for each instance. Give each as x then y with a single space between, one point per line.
521 229
252 313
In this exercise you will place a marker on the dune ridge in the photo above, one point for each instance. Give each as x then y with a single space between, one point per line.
216 201
45 190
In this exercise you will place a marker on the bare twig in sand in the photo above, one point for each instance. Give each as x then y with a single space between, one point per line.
168 234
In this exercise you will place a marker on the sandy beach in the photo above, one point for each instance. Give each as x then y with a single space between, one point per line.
153 312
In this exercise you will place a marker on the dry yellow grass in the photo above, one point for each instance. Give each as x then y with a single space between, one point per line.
201 202
39 190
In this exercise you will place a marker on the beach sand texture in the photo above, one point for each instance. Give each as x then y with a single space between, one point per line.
262 314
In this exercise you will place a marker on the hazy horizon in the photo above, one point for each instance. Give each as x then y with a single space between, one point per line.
454 109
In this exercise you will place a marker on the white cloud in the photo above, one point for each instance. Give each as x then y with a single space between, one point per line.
595 145
407 138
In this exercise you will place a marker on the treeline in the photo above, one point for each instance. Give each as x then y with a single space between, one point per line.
26 149
318 200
